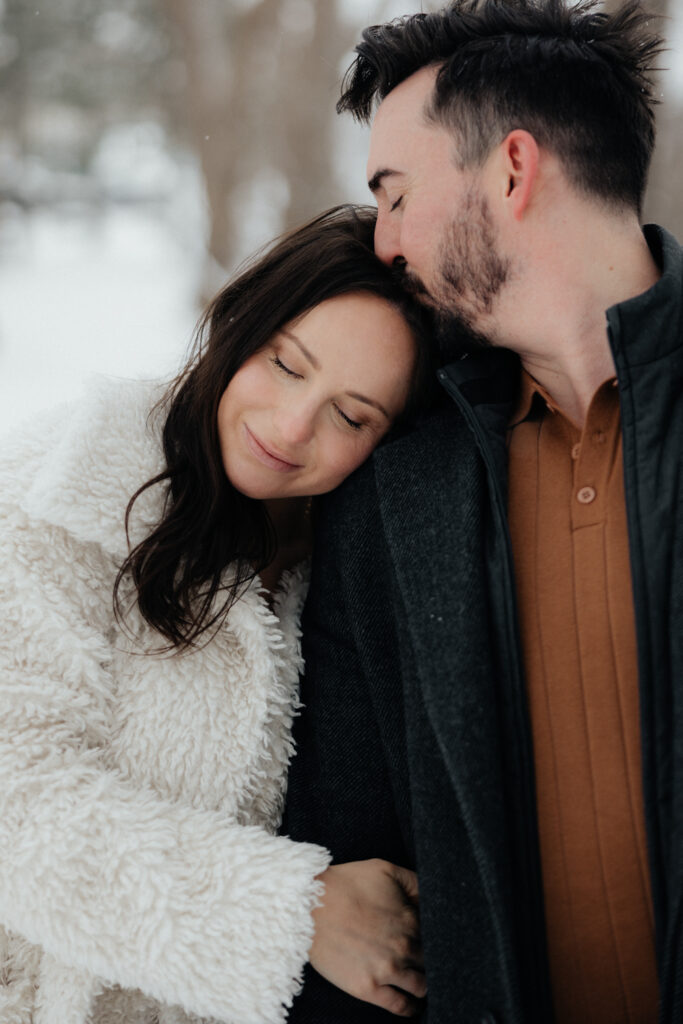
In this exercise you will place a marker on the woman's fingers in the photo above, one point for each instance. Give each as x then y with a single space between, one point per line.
411 981
396 1001
407 879
367 935
409 946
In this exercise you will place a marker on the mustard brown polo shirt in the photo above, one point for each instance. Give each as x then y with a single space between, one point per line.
567 518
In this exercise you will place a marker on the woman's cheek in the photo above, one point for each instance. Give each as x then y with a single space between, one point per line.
260 380
350 455
254 380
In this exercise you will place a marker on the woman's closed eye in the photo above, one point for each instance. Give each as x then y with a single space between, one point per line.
395 205
284 369
347 419
276 360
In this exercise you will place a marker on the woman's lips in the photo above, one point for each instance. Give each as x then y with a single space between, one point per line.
265 456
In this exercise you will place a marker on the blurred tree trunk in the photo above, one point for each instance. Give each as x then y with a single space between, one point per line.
306 115
219 49
261 87
663 203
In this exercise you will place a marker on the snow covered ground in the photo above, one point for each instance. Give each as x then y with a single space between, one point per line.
80 296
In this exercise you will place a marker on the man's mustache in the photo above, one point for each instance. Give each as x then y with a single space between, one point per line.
410 282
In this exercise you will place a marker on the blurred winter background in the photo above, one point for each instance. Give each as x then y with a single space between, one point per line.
147 146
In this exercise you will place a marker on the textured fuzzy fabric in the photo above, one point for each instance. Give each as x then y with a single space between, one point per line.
140 879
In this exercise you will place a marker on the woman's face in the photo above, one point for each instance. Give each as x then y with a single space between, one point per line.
310 406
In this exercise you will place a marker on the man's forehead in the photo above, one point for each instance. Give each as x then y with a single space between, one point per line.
399 122
408 98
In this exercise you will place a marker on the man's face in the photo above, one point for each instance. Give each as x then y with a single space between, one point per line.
432 217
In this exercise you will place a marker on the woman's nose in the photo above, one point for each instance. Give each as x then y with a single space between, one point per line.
294 424
388 239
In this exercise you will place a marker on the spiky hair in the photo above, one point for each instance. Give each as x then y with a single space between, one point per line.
579 79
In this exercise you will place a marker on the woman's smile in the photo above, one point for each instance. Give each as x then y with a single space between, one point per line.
266 454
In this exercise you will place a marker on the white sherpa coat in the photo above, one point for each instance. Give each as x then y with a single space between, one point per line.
140 880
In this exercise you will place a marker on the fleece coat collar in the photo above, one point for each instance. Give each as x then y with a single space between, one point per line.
84 483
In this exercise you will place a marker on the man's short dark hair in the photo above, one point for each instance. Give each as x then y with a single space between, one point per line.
579 79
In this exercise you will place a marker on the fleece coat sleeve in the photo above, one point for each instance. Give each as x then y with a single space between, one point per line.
106 876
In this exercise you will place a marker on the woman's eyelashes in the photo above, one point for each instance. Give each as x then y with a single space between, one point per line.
283 368
347 419
395 205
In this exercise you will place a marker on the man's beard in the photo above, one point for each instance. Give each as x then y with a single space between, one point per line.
471 271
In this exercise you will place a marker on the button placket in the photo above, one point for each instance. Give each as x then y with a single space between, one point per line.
587 506
586 495
592 464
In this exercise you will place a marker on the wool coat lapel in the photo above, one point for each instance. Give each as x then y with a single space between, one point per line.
439 563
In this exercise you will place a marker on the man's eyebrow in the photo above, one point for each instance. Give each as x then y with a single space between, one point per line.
368 401
378 177
304 351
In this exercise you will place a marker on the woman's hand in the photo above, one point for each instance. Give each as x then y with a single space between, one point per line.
367 939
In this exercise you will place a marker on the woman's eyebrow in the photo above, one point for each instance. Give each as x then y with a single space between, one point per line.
316 365
368 401
304 351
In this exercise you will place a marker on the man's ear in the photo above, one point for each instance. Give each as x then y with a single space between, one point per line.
519 160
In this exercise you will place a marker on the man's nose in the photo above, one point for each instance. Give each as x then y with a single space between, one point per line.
388 239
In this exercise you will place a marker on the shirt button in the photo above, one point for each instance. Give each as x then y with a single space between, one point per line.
586 495
576 451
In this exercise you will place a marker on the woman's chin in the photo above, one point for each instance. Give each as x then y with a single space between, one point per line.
260 490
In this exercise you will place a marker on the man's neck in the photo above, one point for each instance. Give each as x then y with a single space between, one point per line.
555 317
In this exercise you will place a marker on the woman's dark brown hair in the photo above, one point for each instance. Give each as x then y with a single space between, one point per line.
179 570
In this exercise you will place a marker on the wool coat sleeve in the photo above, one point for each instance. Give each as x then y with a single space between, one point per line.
105 875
